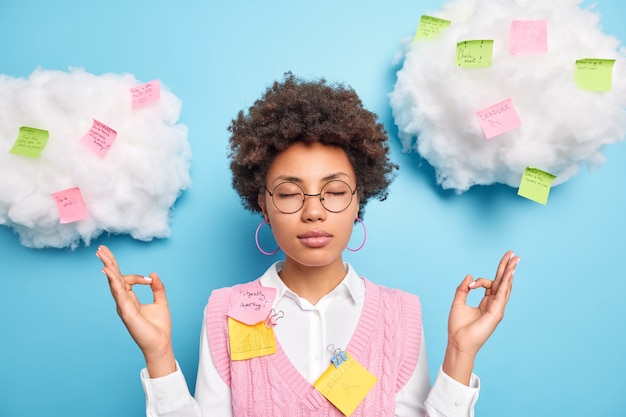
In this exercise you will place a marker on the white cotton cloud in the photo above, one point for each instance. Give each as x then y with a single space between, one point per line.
563 127
130 190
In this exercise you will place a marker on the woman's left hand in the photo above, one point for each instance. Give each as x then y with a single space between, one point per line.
470 327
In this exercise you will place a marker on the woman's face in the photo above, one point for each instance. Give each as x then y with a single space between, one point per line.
312 236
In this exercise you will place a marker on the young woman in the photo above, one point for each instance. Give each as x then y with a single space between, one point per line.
311 337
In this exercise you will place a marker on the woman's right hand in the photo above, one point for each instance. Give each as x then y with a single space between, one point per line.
150 325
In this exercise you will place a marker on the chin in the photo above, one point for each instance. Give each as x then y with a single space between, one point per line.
316 259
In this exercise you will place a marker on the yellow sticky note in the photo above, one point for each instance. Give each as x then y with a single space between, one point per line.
347 385
250 341
30 142
594 74
430 27
535 185
474 53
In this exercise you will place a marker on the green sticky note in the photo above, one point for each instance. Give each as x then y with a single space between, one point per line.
594 74
430 27
475 53
535 185
30 142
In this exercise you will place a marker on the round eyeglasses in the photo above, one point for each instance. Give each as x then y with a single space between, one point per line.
288 197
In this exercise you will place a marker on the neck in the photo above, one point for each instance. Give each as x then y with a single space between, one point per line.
312 282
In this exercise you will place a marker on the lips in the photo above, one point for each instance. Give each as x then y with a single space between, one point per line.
315 238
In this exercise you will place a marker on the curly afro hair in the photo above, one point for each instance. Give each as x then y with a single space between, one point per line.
295 110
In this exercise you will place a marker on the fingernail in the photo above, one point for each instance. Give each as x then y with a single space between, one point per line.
147 279
472 284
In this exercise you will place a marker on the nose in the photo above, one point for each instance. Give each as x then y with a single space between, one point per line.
313 209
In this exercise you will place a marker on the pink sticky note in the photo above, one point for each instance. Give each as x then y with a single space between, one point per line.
99 138
145 93
498 119
71 205
253 304
529 37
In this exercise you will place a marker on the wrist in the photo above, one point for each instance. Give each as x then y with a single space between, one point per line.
458 365
162 364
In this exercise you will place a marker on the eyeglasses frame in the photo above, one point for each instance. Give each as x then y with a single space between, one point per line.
305 195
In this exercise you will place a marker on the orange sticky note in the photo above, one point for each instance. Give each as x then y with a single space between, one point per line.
70 205
99 138
145 94
347 385
498 119
250 341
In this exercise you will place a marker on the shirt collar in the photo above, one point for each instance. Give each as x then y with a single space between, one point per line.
351 285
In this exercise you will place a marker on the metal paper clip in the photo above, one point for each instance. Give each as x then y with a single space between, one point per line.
273 317
339 355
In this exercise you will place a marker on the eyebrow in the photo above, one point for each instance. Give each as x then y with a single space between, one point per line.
330 177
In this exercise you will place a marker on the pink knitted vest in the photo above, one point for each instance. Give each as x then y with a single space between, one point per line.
386 342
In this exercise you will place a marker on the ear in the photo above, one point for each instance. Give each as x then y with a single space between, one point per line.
262 206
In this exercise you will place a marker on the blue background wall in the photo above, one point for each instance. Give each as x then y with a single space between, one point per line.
63 350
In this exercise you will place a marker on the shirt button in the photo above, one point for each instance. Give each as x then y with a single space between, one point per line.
317 358
458 403
159 396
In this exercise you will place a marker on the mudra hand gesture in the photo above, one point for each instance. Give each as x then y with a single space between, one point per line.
470 327
150 325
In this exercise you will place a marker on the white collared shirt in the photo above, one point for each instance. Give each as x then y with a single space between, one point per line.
329 323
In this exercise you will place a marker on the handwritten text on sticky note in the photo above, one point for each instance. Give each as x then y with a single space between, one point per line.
70 205
30 142
475 53
253 304
529 37
346 385
535 185
99 138
430 27
594 74
498 119
145 93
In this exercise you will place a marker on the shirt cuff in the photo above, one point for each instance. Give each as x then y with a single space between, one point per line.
165 394
451 398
